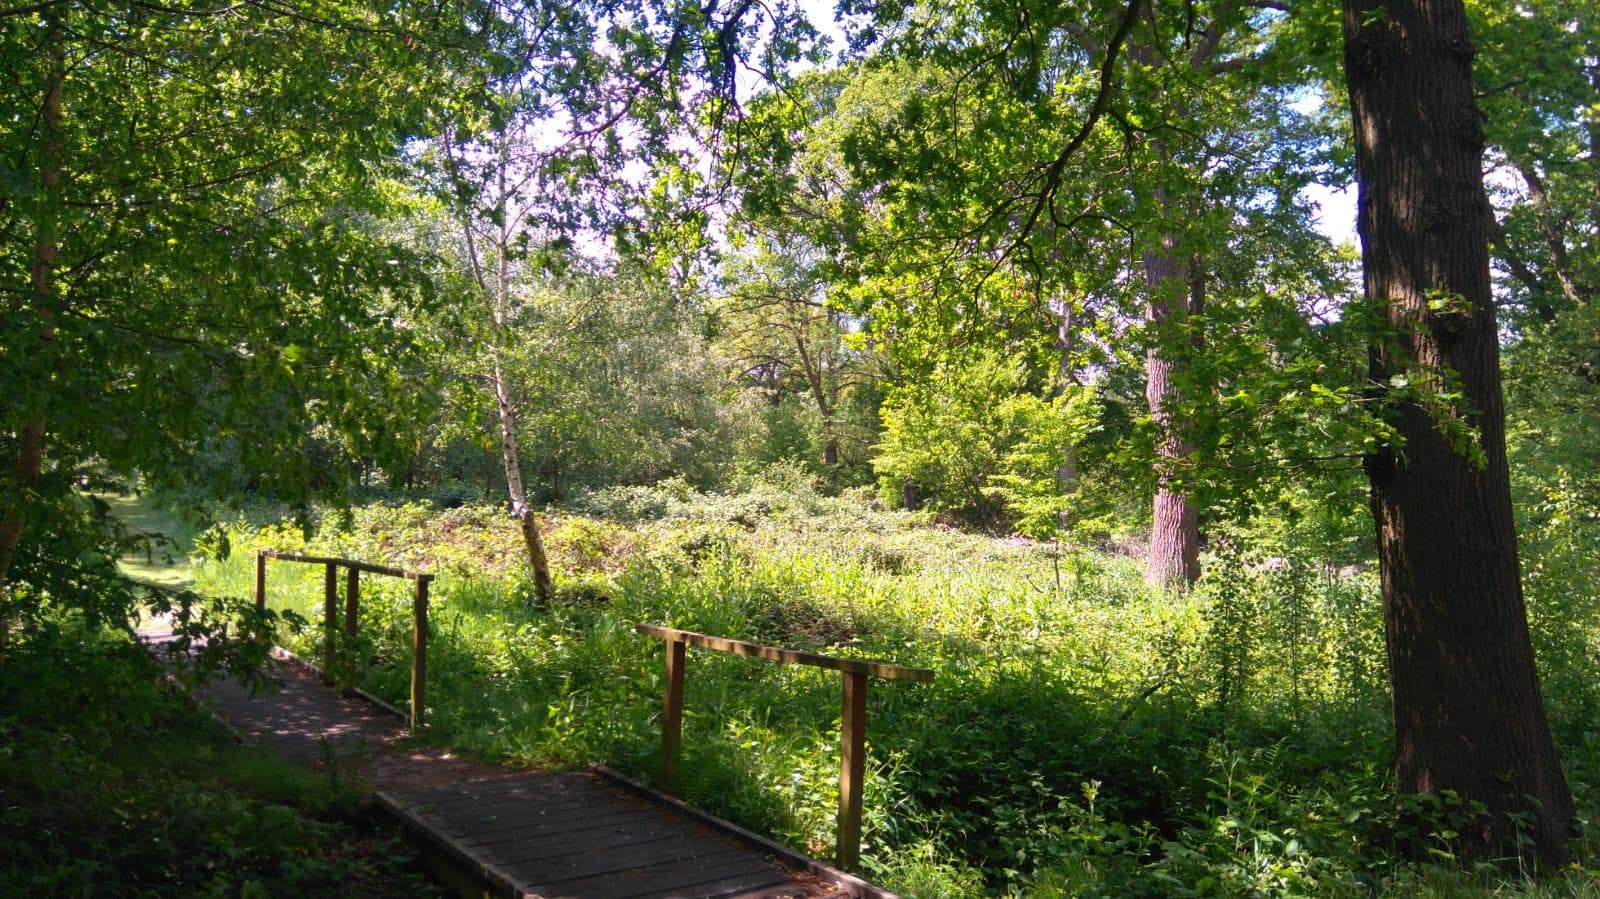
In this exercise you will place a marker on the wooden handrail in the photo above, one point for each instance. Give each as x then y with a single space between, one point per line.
330 614
787 656
351 564
852 722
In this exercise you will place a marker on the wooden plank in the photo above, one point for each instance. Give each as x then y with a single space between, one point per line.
470 861
261 580
368 567
467 811
330 613
352 603
672 715
419 655
512 790
668 875
602 858
519 832
852 768
619 831
851 884
786 656
786 890
768 883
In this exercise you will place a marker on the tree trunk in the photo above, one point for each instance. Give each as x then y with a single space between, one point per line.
908 497
30 445
1066 379
811 367
496 296
1594 137
537 560
1467 709
1552 231
543 589
1174 557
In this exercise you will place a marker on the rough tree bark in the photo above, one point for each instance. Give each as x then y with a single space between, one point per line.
1173 561
31 439
1467 709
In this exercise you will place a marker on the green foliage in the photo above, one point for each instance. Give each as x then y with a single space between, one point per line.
974 441
1553 433
1029 479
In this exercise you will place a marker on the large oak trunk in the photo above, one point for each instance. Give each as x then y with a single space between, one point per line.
1467 710
1173 558
1174 555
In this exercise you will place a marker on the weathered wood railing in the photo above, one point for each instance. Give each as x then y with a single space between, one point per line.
330 613
852 724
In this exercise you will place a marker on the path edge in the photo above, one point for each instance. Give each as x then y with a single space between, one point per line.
855 886
464 859
278 652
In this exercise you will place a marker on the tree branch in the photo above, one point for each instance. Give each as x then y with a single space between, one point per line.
8 12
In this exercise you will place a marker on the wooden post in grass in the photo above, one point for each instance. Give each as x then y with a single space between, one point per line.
330 620
261 580
852 767
852 722
352 617
672 715
419 651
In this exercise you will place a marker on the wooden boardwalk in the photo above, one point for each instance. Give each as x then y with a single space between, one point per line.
579 835
576 835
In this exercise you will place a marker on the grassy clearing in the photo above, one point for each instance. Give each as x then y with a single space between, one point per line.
166 562
1082 737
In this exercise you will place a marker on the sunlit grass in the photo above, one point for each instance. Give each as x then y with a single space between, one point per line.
1082 737
167 563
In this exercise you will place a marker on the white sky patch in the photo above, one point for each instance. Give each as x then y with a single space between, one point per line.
822 17
1335 211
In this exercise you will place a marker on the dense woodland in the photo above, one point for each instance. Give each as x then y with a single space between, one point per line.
1256 548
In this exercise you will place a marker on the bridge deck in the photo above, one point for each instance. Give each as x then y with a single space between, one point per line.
577 835
524 834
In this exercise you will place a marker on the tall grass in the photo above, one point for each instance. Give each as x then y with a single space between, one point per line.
1082 737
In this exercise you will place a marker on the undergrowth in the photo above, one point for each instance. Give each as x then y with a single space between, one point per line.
1082 737
113 783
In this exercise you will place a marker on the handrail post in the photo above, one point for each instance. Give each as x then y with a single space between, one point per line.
352 617
852 720
672 715
419 652
261 581
330 621
852 767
